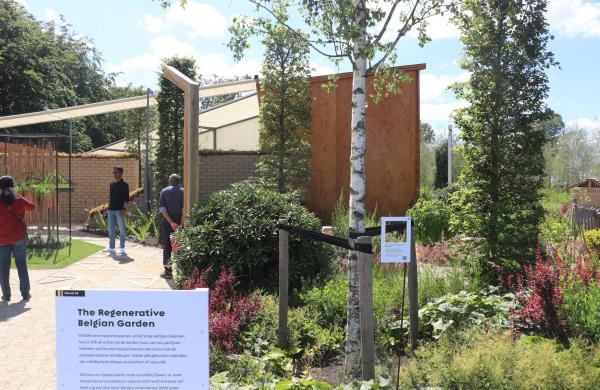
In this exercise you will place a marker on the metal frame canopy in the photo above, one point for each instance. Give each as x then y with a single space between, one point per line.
130 103
192 94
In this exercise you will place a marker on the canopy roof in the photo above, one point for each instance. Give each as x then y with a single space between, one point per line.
225 114
60 114
130 103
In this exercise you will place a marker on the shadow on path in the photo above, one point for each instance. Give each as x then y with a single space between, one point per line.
122 259
12 310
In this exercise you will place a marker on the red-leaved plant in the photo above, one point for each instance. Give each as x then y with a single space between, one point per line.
229 312
540 294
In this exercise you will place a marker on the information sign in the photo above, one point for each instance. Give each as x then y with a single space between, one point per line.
396 247
132 340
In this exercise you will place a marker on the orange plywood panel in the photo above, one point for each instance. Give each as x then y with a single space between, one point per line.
392 155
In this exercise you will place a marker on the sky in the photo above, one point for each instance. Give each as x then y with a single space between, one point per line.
133 36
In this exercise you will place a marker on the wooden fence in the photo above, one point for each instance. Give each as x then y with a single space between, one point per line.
586 217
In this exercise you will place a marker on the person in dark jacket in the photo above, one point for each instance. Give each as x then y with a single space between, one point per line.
117 207
13 237
171 207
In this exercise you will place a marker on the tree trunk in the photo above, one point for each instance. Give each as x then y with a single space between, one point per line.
357 189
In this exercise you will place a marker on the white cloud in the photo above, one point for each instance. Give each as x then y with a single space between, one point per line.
573 18
203 20
434 88
320 70
219 64
439 27
432 112
23 3
161 47
51 15
168 46
586 123
151 23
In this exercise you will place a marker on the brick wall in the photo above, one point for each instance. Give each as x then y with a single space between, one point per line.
219 169
91 177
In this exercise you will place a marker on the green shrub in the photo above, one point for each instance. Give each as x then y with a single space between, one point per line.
583 306
431 220
140 225
592 239
237 227
487 360
340 218
457 311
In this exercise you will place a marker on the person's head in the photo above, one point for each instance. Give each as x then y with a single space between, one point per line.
7 190
118 173
174 179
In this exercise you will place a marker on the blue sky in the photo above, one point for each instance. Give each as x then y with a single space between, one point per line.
133 35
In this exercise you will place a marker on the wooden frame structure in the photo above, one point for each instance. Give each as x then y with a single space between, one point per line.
191 106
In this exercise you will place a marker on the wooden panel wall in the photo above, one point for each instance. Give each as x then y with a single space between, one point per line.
392 137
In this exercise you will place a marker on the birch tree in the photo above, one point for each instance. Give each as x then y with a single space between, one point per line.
364 33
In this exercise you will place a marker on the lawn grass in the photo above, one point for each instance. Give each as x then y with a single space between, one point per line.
41 258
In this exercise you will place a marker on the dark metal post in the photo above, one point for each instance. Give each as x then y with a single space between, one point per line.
146 159
5 157
56 175
70 189
282 338
413 296
450 155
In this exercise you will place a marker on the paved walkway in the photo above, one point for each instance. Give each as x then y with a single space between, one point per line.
27 329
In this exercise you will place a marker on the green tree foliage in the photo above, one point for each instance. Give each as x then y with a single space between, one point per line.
572 157
285 111
506 54
45 65
169 147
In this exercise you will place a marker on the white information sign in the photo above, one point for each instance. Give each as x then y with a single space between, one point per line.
393 251
132 340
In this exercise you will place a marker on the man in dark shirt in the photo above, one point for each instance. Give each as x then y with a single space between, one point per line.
171 208
117 207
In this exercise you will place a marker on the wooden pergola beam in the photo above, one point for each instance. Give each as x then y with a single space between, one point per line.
190 135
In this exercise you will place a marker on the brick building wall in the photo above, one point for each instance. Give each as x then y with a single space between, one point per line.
90 177
219 169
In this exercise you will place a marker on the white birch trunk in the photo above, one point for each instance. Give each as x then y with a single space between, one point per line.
357 190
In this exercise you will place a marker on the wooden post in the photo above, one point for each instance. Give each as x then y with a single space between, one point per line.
190 139
413 296
284 257
367 331
190 135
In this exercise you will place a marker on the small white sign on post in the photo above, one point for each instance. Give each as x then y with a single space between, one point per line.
393 251
126 340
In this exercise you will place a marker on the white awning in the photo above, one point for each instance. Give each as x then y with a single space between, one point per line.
131 103
60 114
231 112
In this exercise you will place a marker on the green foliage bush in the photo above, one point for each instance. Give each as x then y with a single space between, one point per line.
329 302
309 342
431 220
487 360
584 308
237 227
592 240
465 310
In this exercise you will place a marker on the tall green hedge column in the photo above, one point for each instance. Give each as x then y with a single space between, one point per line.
506 54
